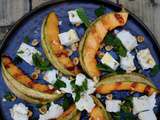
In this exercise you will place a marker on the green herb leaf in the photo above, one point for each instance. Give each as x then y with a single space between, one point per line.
105 68
81 13
100 11
127 105
123 116
78 96
116 43
85 84
26 40
17 60
155 70
59 84
39 62
65 103
9 96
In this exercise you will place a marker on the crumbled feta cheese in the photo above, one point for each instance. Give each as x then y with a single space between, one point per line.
73 17
127 39
51 76
145 59
4 99
26 51
127 63
147 115
19 112
110 61
143 103
60 22
113 105
80 79
91 86
85 103
68 88
54 112
68 38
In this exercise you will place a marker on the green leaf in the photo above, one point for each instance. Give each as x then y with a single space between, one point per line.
100 11
39 62
81 13
127 105
105 68
116 43
20 52
155 70
85 84
78 96
65 103
59 84
8 96
17 60
26 40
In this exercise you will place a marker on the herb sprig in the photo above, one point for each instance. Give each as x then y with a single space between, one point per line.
81 13
59 83
40 62
116 43
100 11
155 70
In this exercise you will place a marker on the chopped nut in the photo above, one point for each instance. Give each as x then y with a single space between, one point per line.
96 79
75 61
34 76
74 47
78 24
13 98
37 70
109 96
50 87
60 74
108 47
30 113
58 92
140 38
35 42
43 109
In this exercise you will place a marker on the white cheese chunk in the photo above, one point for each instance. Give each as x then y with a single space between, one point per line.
113 105
80 79
85 103
91 86
68 38
19 112
145 59
26 51
108 60
68 88
147 115
127 63
54 112
73 17
51 76
127 39
143 103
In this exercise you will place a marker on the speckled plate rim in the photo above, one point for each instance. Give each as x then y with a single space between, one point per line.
118 7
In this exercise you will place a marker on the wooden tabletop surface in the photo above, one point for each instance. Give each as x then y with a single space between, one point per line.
146 10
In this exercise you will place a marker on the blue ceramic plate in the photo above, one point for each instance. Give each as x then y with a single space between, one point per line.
30 25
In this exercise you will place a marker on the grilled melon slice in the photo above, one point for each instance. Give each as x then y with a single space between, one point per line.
133 81
21 95
94 36
99 112
52 47
25 84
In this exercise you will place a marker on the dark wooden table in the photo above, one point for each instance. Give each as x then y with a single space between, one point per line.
147 10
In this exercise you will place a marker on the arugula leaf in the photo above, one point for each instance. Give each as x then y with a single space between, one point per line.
127 105
8 96
39 62
105 68
26 40
100 11
78 96
17 60
59 84
116 43
155 70
81 13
